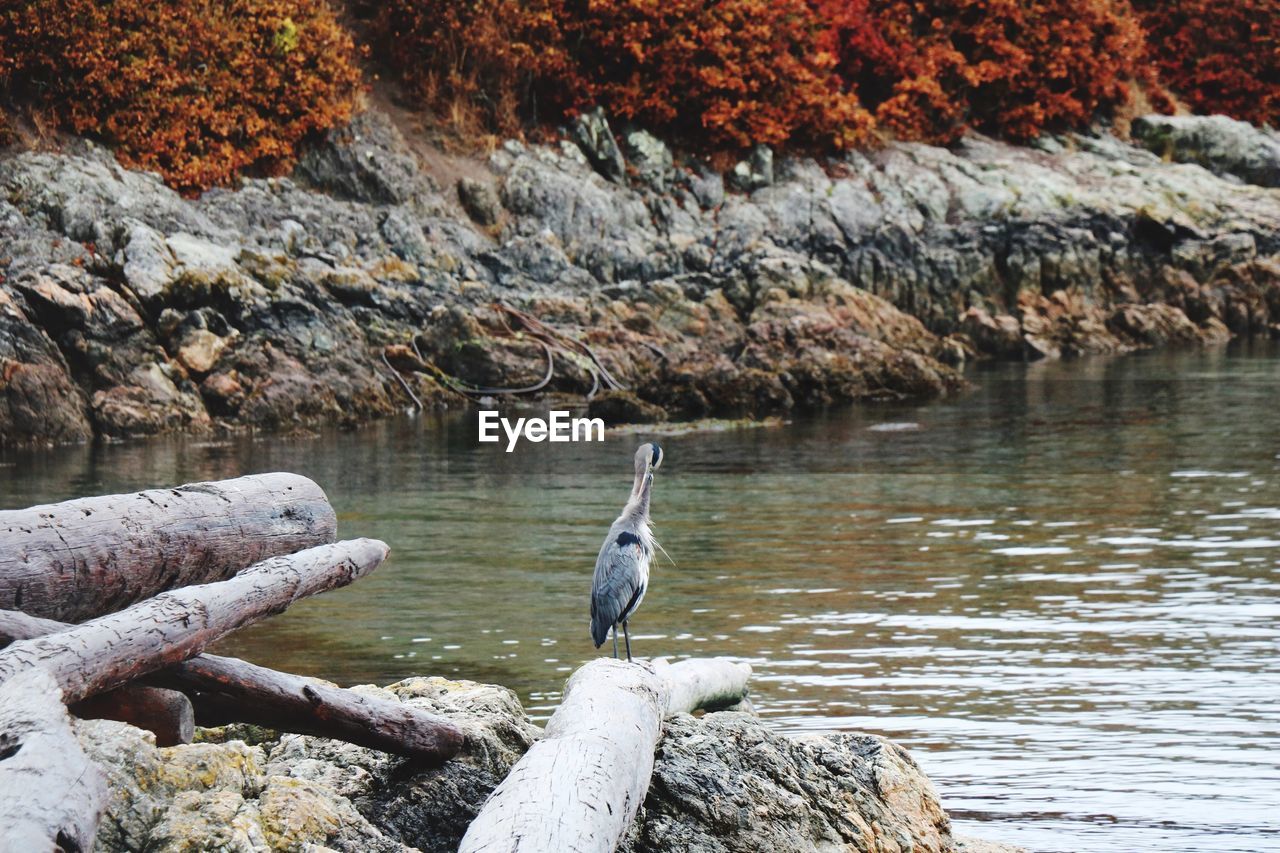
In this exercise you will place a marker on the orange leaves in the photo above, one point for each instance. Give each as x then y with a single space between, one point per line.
725 74
931 68
201 91
198 91
1219 55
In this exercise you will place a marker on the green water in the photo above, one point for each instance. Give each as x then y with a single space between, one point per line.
1061 590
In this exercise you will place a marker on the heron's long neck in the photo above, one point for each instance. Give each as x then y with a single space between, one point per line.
638 505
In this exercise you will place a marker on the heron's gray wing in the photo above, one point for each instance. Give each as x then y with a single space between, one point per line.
618 583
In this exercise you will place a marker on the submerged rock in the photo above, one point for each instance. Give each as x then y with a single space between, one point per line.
721 782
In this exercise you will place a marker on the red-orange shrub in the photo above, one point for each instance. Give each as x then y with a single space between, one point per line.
1013 68
1220 56
504 59
197 91
723 74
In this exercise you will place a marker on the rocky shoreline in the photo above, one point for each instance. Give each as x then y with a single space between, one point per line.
721 782
381 276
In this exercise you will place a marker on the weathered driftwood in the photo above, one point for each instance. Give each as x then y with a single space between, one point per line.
51 795
702 684
83 558
113 650
227 690
167 714
578 789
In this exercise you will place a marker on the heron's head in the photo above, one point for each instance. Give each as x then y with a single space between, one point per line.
648 458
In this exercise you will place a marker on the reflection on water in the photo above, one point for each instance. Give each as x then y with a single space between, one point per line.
1060 590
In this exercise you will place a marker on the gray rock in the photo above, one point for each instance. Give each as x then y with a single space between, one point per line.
367 161
591 132
707 187
698 302
405 237
722 782
651 158
756 172
1221 144
479 201
727 783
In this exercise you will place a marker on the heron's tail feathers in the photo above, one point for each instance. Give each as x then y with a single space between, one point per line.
599 632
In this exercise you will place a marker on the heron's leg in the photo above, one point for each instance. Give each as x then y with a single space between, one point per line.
615 640
626 636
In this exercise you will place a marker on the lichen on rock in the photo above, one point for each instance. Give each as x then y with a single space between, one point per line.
722 782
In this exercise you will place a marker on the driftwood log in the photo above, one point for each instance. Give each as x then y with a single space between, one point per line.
80 559
110 651
578 789
226 690
51 794
166 713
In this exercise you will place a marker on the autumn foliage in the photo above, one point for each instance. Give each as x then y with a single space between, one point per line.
197 91
202 91
1219 55
931 68
497 59
726 74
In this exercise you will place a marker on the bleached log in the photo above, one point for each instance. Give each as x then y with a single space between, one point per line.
113 650
226 690
80 559
51 794
165 713
697 684
578 789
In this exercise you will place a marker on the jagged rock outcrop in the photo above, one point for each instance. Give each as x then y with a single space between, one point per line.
721 782
127 309
726 783
1223 145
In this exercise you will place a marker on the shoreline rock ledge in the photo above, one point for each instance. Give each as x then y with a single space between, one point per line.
378 277
722 782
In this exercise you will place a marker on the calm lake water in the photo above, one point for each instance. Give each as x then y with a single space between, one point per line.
1061 590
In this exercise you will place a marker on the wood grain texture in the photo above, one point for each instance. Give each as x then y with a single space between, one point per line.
51 795
578 789
227 690
113 650
76 560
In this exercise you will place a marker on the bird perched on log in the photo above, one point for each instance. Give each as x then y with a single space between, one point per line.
622 569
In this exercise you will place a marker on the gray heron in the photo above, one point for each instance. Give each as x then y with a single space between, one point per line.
622 568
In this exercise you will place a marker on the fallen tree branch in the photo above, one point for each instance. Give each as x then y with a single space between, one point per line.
578 789
51 794
113 650
226 690
80 559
